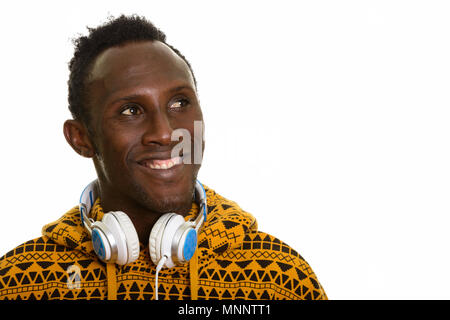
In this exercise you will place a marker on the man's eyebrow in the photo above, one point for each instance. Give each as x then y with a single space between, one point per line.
126 98
180 88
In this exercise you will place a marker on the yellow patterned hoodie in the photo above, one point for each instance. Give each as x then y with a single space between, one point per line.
233 261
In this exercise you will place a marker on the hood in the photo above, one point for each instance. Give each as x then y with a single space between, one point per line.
224 230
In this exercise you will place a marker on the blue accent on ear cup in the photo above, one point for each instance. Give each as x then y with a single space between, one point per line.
190 244
97 242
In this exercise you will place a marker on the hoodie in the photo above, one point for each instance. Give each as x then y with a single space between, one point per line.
233 260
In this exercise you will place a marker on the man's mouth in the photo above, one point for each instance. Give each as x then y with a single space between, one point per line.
160 164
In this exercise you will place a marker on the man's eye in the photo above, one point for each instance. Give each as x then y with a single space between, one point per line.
131 111
180 103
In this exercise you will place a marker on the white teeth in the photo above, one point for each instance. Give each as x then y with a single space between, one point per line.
165 165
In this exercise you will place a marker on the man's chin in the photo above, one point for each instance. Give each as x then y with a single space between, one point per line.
170 204
165 195
178 200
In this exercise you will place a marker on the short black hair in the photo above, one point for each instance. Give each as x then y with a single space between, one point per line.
113 33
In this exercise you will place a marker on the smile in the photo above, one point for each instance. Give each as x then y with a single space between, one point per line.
162 164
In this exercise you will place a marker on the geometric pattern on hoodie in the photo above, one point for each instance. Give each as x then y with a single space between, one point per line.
233 260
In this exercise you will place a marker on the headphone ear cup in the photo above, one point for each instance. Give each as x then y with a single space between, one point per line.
155 237
168 246
186 243
118 241
131 237
103 242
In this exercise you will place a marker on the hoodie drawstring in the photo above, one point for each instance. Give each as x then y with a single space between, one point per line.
112 282
193 275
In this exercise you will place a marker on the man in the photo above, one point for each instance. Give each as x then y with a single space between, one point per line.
130 93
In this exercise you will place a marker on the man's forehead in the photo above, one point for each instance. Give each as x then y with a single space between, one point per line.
138 59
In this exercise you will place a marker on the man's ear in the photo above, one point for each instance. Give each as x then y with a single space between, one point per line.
77 136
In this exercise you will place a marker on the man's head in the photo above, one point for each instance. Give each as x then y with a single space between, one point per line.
115 32
128 92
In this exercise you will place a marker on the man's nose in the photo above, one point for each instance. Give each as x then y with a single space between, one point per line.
159 130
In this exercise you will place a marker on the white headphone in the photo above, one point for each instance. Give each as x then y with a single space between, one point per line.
172 241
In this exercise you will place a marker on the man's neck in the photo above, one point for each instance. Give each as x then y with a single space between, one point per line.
143 219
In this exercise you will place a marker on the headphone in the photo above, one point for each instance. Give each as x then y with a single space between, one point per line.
172 241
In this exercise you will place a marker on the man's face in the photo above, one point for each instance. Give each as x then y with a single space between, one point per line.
139 94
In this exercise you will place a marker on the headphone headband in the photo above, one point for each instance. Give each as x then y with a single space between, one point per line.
87 198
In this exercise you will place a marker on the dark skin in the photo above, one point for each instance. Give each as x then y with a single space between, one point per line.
139 93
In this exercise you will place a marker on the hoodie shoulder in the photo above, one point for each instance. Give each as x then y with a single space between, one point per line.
26 270
250 263
44 267
284 267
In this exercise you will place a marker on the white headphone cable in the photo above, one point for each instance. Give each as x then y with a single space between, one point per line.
158 268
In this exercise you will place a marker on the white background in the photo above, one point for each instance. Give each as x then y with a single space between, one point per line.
327 120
